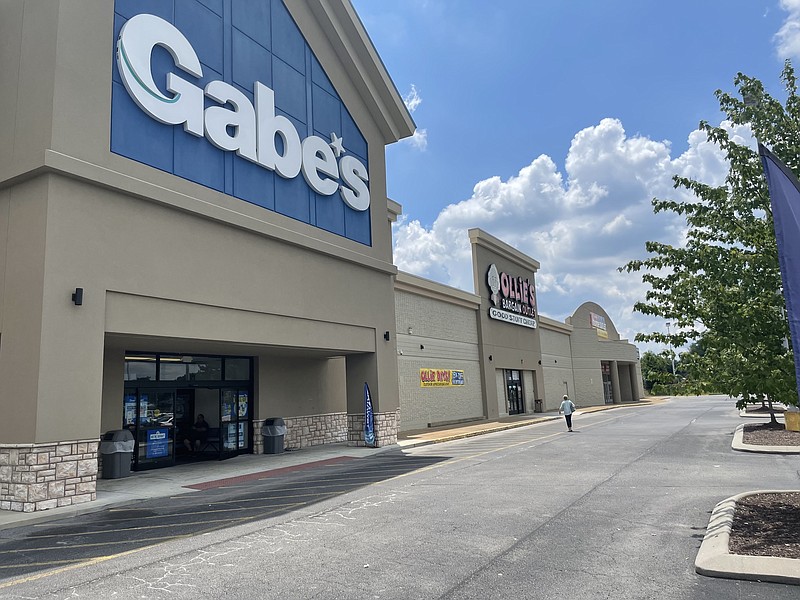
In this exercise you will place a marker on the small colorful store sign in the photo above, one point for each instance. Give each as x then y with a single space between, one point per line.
599 323
440 377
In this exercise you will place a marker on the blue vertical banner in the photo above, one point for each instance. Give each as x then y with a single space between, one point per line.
369 418
784 195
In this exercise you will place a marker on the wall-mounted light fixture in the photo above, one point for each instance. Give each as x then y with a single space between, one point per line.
410 330
386 335
77 296
421 347
490 358
540 362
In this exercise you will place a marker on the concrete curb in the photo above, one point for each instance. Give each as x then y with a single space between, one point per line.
744 415
738 444
715 560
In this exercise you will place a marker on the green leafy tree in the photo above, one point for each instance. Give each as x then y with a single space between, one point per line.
723 287
656 369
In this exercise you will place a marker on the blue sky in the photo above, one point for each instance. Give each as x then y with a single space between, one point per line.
552 125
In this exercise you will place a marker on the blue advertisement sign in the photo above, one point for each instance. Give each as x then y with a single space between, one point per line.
157 443
228 94
369 418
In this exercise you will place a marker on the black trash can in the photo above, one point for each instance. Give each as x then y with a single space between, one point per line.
273 431
538 405
117 450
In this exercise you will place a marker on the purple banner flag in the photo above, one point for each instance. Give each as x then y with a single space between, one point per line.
784 195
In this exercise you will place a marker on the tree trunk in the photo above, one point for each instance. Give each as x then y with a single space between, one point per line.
772 419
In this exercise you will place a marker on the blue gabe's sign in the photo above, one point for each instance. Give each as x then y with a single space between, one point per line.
157 443
229 95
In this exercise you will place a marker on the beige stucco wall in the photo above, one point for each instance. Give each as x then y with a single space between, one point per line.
166 264
557 362
500 390
300 387
443 335
589 349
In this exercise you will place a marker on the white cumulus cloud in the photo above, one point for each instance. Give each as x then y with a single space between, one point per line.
581 225
788 36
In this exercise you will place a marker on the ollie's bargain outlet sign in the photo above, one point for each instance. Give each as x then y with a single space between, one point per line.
229 95
514 298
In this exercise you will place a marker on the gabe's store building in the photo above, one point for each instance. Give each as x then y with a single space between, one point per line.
194 220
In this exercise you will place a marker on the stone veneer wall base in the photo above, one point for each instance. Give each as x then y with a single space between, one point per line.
386 427
305 431
42 476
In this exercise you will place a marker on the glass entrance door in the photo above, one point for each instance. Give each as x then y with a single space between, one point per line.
151 417
235 421
516 399
166 395
608 390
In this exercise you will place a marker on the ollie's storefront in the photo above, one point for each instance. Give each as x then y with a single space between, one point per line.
197 223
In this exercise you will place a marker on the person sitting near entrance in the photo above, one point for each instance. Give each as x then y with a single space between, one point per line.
198 435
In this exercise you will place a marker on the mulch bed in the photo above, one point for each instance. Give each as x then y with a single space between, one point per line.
767 524
770 434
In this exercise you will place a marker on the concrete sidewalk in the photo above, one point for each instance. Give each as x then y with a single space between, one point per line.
192 477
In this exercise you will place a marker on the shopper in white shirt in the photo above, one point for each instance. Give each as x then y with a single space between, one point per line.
567 407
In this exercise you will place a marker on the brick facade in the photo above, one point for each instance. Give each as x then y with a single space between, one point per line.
41 476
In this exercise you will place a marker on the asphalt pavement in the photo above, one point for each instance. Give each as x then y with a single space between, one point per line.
155 506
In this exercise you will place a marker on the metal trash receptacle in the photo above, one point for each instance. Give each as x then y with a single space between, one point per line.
273 432
117 450
538 405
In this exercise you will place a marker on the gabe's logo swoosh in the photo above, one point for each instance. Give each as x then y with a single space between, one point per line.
155 93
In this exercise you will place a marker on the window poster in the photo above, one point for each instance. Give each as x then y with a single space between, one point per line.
144 407
157 443
243 404
228 405
229 436
129 410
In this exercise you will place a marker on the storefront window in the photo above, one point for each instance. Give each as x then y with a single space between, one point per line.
140 367
190 368
237 369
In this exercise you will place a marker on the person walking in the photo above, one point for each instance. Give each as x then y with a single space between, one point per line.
567 407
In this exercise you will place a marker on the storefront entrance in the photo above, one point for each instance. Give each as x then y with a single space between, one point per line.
608 390
516 399
165 397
